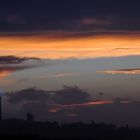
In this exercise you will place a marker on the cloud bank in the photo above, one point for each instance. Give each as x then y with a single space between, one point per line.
85 15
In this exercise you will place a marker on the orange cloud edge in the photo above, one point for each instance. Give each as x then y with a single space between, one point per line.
88 104
123 71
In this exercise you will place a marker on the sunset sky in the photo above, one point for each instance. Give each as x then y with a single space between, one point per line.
64 58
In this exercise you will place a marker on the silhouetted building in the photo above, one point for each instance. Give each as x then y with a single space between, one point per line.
30 117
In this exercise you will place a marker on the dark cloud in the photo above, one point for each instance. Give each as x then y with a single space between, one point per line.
14 60
28 95
71 95
66 96
47 15
48 104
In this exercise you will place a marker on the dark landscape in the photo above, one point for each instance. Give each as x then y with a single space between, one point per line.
21 129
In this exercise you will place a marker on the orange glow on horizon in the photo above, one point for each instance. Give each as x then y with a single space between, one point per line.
63 48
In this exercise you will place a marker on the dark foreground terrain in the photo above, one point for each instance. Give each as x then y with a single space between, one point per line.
22 130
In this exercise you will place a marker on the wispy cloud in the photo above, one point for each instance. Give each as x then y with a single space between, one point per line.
59 75
122 71
63 75
59 107
92 103
95 22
